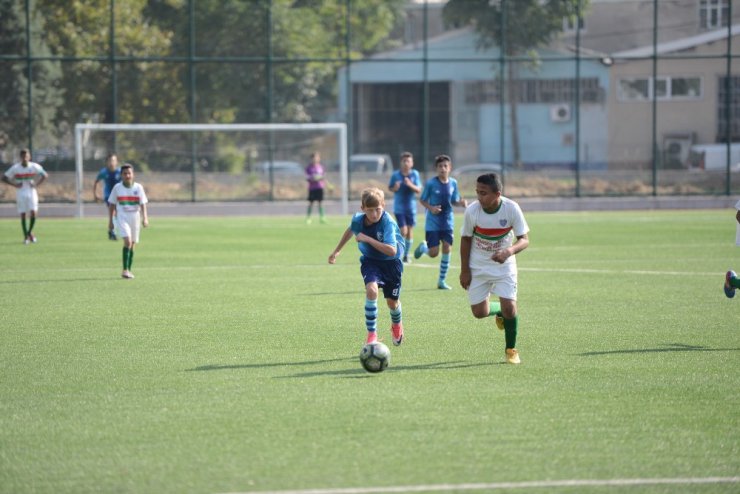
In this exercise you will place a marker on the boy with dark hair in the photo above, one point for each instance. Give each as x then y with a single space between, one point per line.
439 196
405 183
494 231
127 203
26 176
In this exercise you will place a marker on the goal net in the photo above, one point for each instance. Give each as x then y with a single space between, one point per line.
215 162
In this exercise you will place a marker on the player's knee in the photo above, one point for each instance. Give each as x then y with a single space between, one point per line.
479 312
371 291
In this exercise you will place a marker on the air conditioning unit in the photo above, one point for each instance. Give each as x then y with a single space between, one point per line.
560 113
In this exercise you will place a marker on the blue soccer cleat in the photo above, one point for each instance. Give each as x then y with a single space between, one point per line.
420 250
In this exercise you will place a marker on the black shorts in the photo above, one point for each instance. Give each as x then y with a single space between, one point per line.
316 195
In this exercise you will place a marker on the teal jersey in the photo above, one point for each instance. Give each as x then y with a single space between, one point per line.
385 230
404 199
445 195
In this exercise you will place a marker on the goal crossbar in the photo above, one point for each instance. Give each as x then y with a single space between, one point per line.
340 128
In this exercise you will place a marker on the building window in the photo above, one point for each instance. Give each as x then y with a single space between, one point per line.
666 88
714 13
536 91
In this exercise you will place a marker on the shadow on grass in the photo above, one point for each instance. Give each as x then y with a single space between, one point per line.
355 292
259 366
669 347
359 373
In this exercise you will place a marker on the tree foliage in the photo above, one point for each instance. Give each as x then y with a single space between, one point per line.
246 61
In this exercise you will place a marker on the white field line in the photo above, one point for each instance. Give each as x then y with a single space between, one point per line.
539 484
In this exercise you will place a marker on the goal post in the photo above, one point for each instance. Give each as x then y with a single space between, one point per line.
212 162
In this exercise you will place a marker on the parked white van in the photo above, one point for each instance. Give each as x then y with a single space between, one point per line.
714 156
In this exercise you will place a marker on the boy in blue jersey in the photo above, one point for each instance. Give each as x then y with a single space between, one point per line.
439 196
382 246
405 183
110 175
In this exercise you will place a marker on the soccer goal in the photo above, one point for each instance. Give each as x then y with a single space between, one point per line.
215 162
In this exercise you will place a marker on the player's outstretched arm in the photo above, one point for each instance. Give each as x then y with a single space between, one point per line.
342 242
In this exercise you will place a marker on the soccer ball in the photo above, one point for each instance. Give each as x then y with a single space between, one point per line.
375 357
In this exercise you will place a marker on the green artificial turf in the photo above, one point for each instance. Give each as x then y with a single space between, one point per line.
230 363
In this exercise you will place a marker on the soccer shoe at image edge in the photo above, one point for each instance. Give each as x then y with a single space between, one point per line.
729 289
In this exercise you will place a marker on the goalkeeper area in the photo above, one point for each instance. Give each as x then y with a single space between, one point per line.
217 162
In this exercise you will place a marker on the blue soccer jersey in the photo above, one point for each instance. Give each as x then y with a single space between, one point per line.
110 179
404 199
385 230
436 193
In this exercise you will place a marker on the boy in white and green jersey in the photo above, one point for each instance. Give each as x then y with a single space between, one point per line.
494 230
25 176
127 203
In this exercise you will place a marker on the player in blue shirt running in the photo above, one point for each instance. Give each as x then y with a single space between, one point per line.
110 175
439 196
405 183
381 244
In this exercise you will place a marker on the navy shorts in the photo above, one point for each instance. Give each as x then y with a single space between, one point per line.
405 219
434 238
387 274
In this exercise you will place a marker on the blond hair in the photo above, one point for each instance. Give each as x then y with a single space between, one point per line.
372 197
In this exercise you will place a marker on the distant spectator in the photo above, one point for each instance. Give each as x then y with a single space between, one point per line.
316 183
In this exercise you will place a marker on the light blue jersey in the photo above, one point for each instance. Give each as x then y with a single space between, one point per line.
385 230
438 194
404 199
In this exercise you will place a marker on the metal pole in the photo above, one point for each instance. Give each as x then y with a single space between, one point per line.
29 74
269 107
655 98
114 76
728 101
425 91
191 96
502 89
350 119
578 99
78 169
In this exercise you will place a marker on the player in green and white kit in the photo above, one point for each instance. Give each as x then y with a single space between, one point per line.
25 176
493 231
127 203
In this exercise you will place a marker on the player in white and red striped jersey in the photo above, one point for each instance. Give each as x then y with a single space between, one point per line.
25 176
127 202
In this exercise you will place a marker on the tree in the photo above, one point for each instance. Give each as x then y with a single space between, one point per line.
519 26
45 88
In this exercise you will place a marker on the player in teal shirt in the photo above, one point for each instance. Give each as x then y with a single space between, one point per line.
405 184
439 196
382 246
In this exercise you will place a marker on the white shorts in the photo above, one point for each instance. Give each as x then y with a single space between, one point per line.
484 285
27 200
128 226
